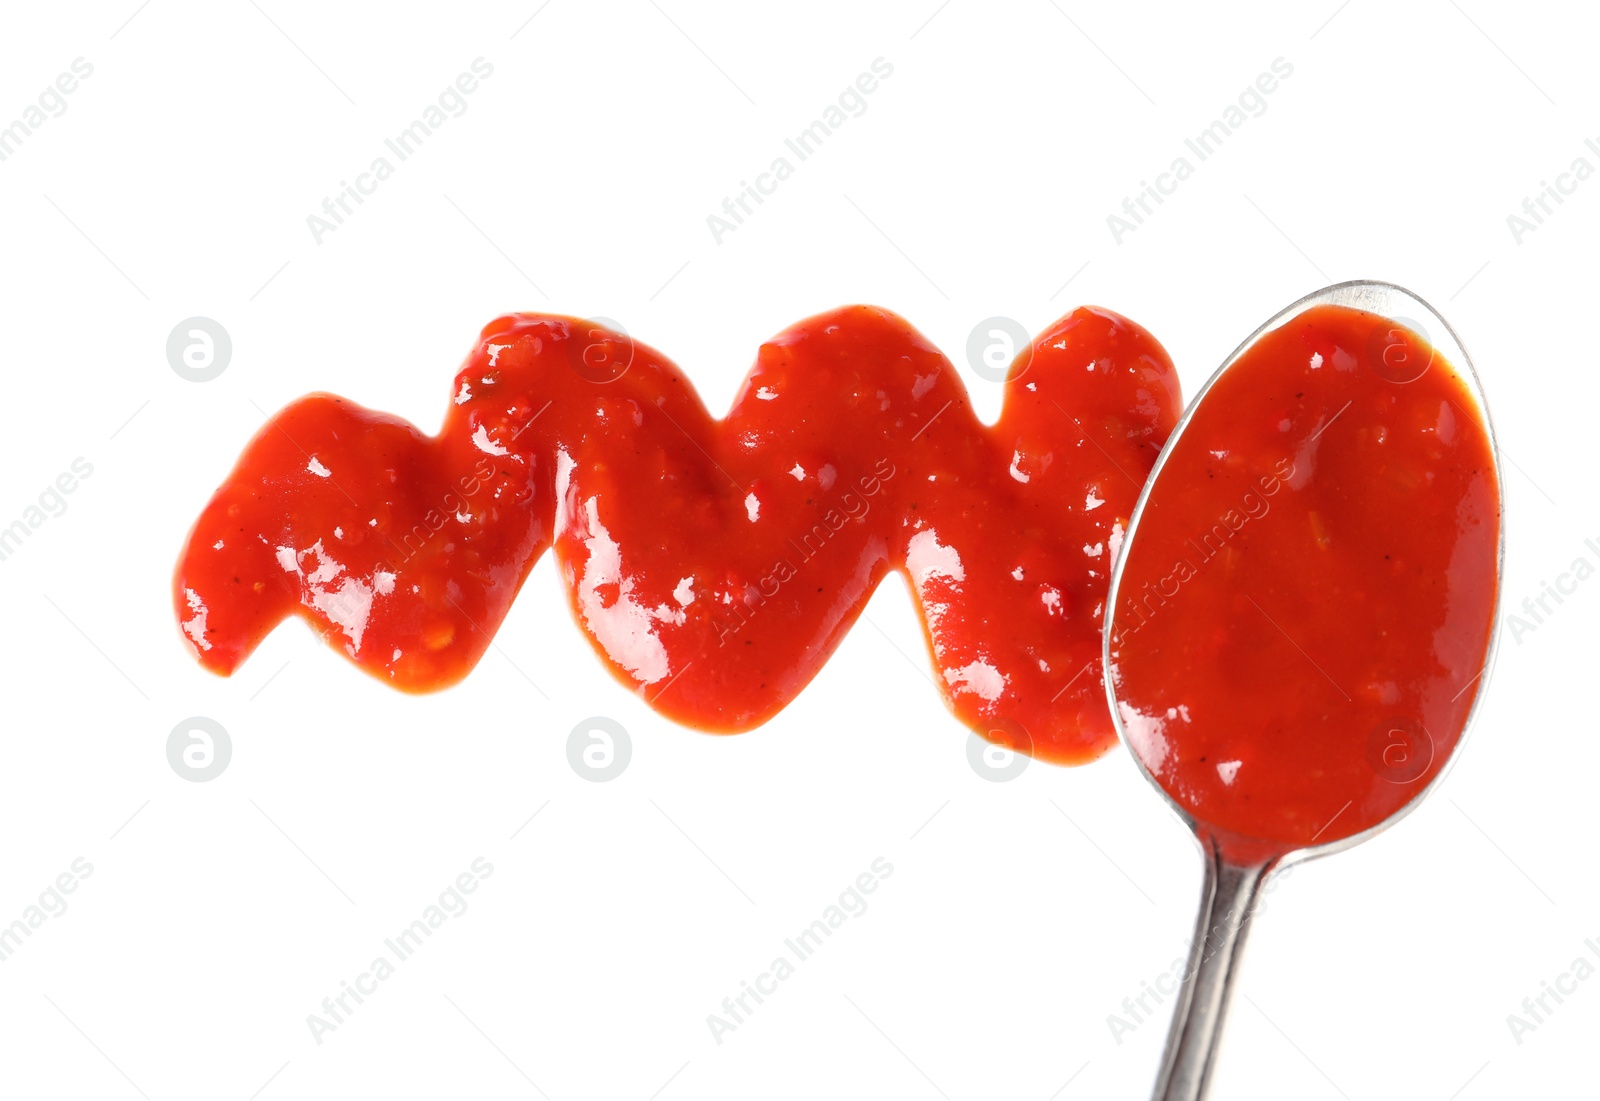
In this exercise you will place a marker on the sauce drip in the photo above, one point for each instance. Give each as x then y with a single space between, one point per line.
713 565
1308 598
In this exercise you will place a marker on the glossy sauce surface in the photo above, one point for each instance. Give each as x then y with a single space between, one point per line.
1308 598
713 565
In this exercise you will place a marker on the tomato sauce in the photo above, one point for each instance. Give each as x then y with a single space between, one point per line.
1308 599
714 565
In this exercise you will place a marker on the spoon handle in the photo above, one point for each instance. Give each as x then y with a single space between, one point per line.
1228 898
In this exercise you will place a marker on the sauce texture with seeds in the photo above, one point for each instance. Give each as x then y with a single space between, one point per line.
1308 599
714 565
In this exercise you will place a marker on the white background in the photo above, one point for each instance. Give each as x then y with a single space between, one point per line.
1019 915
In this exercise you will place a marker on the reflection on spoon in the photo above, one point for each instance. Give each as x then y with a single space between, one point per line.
1304 609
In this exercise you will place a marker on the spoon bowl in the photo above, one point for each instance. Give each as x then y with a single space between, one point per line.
1270 749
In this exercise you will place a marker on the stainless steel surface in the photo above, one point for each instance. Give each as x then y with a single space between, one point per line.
1228 897
1229 891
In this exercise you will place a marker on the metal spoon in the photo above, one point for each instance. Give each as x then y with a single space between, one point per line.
1232 886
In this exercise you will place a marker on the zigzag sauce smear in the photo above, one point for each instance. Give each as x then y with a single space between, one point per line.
714 565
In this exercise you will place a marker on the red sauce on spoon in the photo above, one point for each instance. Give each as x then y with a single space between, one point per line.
1308 598
714 565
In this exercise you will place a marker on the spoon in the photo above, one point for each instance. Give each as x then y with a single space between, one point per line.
1256 725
